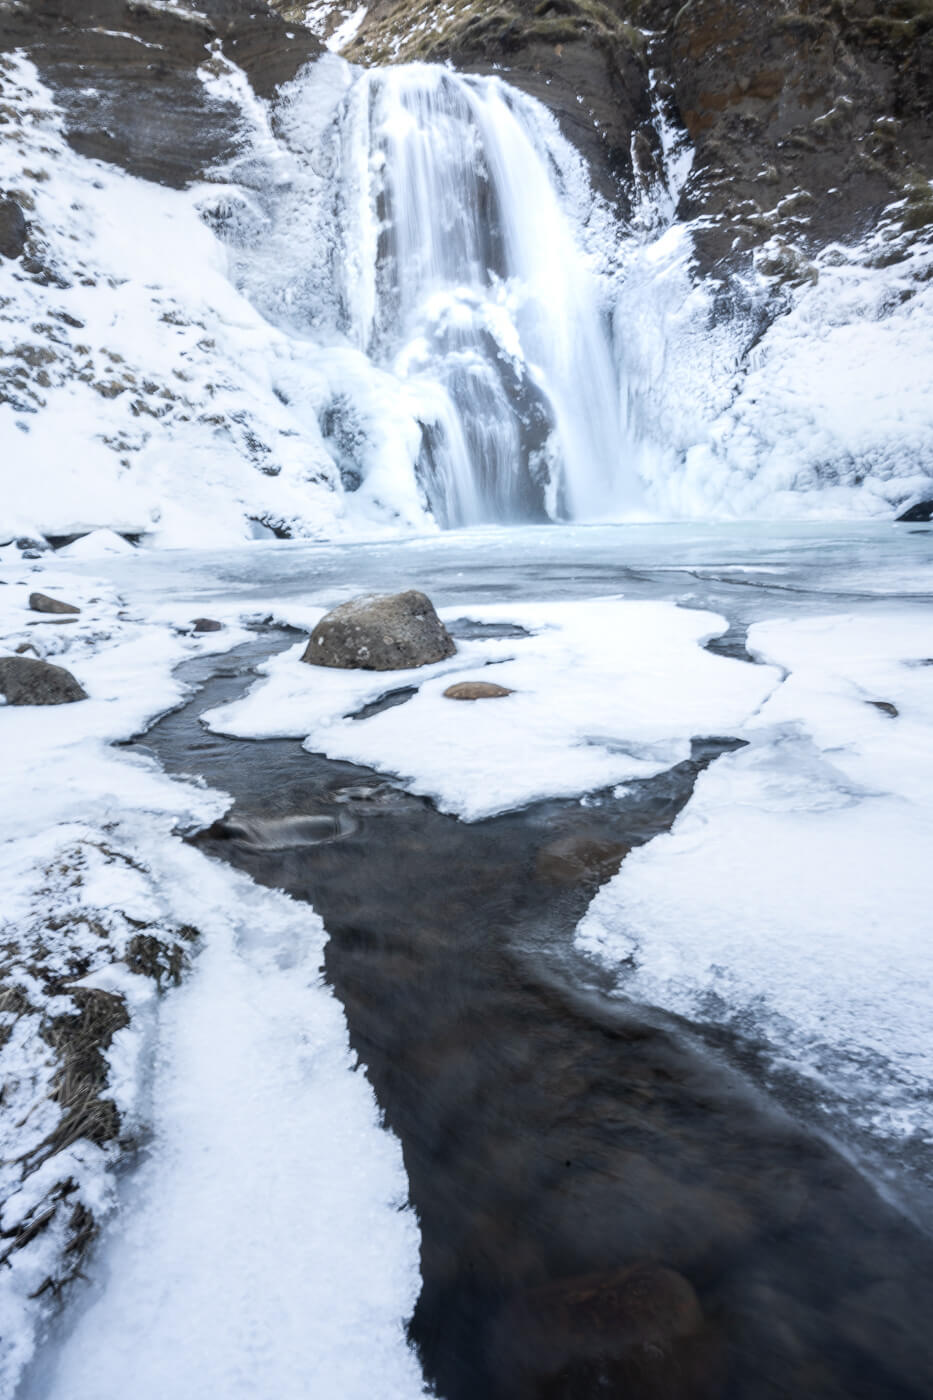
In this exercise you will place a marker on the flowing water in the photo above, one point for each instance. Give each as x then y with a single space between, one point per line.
447 246
607 1205
478 284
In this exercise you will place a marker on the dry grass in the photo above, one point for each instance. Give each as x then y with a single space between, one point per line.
63 1057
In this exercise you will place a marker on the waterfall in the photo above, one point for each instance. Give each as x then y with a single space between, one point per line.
432 225
469 277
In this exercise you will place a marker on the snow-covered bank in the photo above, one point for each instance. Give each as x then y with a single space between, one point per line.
791 899
265 1247
247 1066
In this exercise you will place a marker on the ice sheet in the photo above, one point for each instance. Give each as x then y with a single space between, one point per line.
791 899
604 691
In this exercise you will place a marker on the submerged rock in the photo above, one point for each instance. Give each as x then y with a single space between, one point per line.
207 624
380 632
570 860
25 681
632 1331
42 603
476 690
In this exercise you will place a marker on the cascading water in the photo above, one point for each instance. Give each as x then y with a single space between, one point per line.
431 228
475 283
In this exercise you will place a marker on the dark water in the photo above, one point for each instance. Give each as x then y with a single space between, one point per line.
606 1209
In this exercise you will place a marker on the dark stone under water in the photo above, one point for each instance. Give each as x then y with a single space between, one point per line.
606 1208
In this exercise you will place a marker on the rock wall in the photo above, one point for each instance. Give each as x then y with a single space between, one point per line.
125 73
807 118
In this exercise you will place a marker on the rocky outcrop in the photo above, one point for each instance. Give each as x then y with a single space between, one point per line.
129 75
806 120
42 603
390 632
24 681
585 59
12 229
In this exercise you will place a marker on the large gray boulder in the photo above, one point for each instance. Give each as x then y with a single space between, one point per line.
25 681
389 632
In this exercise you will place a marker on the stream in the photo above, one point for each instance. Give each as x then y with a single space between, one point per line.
608 1205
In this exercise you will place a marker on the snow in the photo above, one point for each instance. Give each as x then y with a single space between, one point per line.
334 21
790 900
604 691
823 413
270 1203
97 544
347 31
271 1213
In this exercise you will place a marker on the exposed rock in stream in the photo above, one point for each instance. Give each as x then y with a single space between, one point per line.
42 603
476 690
391 632
920 513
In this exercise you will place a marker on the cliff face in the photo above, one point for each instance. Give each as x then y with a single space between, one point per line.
125 74
807 119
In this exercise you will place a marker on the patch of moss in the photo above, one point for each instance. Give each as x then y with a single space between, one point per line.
431 32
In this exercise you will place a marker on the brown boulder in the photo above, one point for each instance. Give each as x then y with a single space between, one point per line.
476 690
380 632
12 229
572 859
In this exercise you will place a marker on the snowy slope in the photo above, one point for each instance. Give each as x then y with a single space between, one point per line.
141 391
801 393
